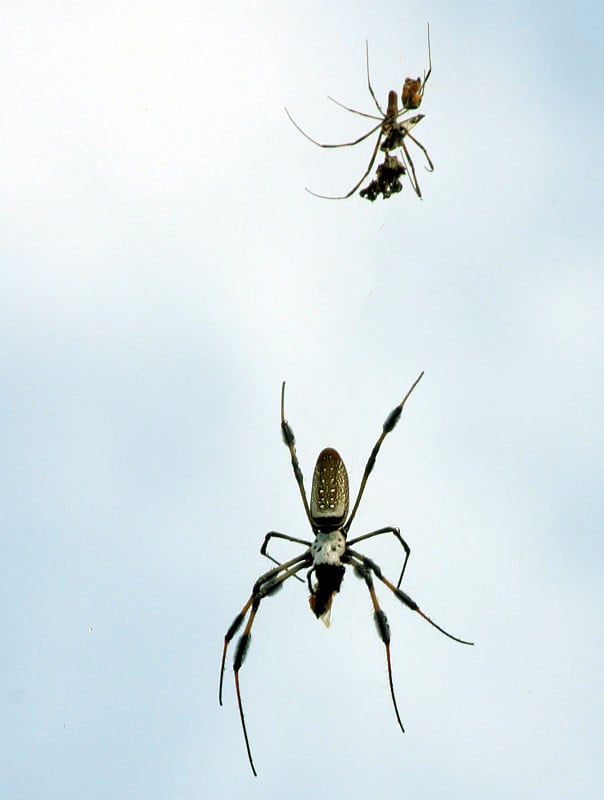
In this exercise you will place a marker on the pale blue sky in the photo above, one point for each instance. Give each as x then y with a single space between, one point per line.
163 270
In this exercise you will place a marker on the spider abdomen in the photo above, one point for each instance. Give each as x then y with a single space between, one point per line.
329 494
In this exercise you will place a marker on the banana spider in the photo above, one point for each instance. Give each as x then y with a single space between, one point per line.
326 556
392 130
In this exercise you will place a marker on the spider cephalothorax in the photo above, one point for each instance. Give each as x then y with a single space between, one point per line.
326 556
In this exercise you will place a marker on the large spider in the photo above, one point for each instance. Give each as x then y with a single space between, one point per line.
392 130
325 557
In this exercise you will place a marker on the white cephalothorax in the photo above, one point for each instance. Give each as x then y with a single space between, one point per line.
328 548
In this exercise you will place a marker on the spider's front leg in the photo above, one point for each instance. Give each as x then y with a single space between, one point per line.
381 623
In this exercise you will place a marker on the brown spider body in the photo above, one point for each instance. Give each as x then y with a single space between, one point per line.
329 494
391 109
391 132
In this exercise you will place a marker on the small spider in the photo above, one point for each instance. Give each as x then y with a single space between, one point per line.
392 130
326 556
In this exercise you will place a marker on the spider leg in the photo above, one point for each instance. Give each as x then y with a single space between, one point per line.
402 596
396 532
381 623
388 426
430 166
356 186
419 96
309 575
352 110
264 580
412 175
290 442
427 74
264 587
369 80
342 144
275 535
242 648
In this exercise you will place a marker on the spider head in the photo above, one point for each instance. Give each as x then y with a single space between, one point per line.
329 494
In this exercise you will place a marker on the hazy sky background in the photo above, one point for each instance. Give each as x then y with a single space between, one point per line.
163 270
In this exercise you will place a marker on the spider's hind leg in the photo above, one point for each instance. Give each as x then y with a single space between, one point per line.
267 584
264 586
360 181
430 167
381 623
356 558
